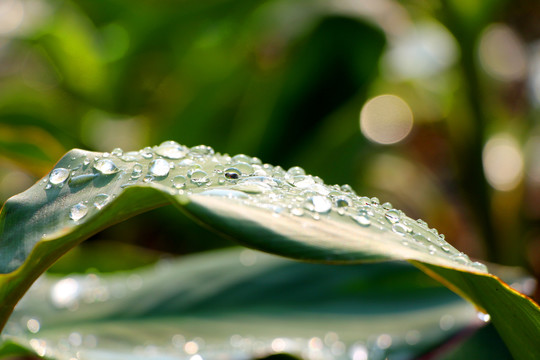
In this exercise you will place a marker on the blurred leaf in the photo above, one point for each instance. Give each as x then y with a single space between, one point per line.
240 304
264 207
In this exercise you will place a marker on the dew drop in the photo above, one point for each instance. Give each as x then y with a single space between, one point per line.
159 168
362 220
387 206
106 167
242 158
171 150
401 228
201 150
320 204
86 162
393 216
342 201
58 176
445 248
147 152
199 177
375 201
117 152
232 173
81 179
78 211
432 249
297 211
148 178
179 181
245 168
295 171
137 171
101 200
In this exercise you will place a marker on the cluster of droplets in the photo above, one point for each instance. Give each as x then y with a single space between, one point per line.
201 170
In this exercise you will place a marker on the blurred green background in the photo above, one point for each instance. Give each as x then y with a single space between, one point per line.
431 105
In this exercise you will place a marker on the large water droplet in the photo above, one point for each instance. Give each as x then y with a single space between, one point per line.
101 200
78 211
321 204
199 177
58 176
106 167
171 150
159 168
232 173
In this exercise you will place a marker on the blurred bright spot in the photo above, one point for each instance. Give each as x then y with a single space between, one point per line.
278 345
502 53
33 325
64 294
422 51
384 341
503 162
191 347
11 15
386 119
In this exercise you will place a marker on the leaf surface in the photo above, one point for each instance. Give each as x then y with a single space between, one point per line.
264 207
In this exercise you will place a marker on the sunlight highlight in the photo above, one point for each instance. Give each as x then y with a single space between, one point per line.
503 162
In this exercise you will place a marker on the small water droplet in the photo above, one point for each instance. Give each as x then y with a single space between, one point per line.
347 188
445 248
342 201
232 173
461 258
171 150
201 151
401 228
137 171
375 201
86 161
199 177
147 152
387 206
148 178
81 179
101 200
297 211
321 204
362 220
78 211
117 152
179 181
245 168
422 222
159 168
106 167
58 176
296 170
393 216
432 249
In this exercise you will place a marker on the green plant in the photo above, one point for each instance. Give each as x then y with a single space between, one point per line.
264 207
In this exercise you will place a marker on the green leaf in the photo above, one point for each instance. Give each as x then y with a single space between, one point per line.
282 212
240 304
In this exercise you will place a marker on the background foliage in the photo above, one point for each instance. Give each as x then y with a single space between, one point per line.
286 81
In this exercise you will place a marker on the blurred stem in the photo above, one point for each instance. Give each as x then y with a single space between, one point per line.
469 162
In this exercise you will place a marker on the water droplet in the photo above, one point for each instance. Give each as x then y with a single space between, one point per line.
86 161
199 177
147 152
106 167
401 228
227 193
321 204
342 201
432 249
422 222
179 181
296 170
117 152
171 150
218 169
159 168
461 258
297 211
232 173
420 238
362 220
375 201
58 176
78 211
387 206
242 158
137 171
201 150
148 178
245 168
393 216
445 248
101 200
